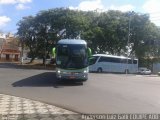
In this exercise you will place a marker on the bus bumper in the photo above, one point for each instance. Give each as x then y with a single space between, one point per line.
73 76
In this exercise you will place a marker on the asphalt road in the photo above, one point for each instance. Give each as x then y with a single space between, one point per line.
102 93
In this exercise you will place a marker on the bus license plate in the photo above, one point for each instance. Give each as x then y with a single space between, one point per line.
72 77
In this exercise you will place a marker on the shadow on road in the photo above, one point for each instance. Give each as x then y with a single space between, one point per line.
47 79
8 65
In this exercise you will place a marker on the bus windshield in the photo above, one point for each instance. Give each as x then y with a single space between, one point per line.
72 56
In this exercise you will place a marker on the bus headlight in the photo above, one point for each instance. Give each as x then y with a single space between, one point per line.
59 72
85 71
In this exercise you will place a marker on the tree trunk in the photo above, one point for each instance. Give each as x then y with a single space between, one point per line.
32 60
44 60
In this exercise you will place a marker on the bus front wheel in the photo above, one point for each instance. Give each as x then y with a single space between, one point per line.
99 70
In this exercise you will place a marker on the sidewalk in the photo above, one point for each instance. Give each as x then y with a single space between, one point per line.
16 108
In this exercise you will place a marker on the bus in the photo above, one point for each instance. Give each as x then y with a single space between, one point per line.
71 56
113 64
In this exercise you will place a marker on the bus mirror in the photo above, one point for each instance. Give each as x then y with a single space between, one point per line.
54 52
89 51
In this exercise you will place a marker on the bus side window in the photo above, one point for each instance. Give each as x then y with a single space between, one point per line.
115 60
102 59
134 61
92 60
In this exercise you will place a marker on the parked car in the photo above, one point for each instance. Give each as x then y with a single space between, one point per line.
144 71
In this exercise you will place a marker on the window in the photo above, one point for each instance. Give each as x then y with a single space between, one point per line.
109 59
63 50
103 59
135 61
129 61
117 60
93 60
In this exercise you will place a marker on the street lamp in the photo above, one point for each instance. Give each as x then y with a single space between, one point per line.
45 49
21 49
128 40
48 27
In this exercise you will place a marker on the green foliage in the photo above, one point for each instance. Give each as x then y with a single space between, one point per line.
105 32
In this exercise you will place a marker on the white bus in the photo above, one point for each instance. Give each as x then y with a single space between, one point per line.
111 63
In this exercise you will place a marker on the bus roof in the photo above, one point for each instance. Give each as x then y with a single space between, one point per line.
71 41
113 56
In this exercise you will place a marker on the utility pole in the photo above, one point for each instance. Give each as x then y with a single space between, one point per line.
48 27
45 52
22 49
129 29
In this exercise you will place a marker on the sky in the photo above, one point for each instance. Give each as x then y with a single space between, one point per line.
12 11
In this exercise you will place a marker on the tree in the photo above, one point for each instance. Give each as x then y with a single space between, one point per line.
27 35
105 32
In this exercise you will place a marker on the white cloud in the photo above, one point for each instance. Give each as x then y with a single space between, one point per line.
153 8
123 8
20 4
89 5
7 1
24 1
4 20
14 1
22 7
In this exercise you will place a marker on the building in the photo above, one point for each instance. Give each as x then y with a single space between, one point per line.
9 50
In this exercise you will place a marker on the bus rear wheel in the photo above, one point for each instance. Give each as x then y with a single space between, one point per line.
99 70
